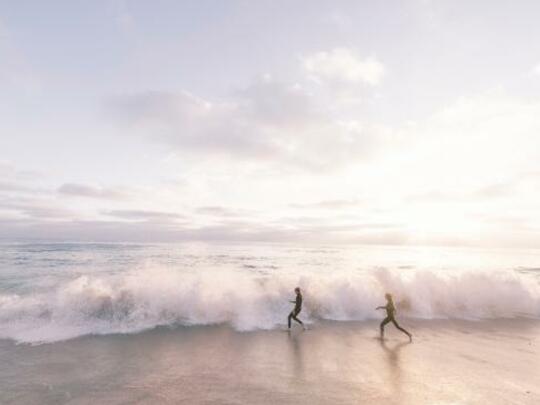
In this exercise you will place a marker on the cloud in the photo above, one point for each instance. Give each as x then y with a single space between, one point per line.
17 182
342 65
157 231
333 225
536 70
328 204
266 122
143 215
194 124
494 190
9 171
82 190
35 209
497 190
217 211
278 105
46 212
16 187
79 230
145 231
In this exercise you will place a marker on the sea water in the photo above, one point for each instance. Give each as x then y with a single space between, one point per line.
60 291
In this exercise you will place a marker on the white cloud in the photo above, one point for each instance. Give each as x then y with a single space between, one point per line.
143 215
159 230
35 211
343 65
268 121
218 211
328 205
445 181
83 190
193 124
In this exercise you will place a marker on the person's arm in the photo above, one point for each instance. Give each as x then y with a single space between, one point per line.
381 307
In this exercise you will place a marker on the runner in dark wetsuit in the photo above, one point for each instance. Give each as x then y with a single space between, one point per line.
390 316
297 308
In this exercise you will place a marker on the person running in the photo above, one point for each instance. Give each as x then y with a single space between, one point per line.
297 308
391 316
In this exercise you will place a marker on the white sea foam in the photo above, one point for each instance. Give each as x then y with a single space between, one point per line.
140 300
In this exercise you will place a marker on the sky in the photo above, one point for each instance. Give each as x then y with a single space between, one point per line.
413 122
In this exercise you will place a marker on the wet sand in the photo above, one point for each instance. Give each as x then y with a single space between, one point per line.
449 362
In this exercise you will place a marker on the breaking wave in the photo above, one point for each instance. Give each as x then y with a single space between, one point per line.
141 300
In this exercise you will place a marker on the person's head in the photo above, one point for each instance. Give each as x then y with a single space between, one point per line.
388 296
297 290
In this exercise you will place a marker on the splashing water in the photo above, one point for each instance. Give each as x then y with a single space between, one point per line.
92 289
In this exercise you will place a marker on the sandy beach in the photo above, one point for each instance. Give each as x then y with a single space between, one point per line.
449 362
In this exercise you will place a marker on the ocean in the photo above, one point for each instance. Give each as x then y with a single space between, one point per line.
52 292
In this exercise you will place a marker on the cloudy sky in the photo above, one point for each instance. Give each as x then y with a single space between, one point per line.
391 122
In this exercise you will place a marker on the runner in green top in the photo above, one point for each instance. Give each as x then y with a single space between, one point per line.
390 316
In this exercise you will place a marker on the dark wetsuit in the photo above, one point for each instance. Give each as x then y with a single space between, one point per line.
296 310
390 317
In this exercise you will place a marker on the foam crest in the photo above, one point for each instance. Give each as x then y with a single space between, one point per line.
141 300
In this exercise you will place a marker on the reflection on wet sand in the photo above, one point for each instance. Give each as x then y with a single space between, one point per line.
296 354
393 360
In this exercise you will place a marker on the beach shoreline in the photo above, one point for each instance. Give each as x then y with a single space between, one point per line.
449 362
